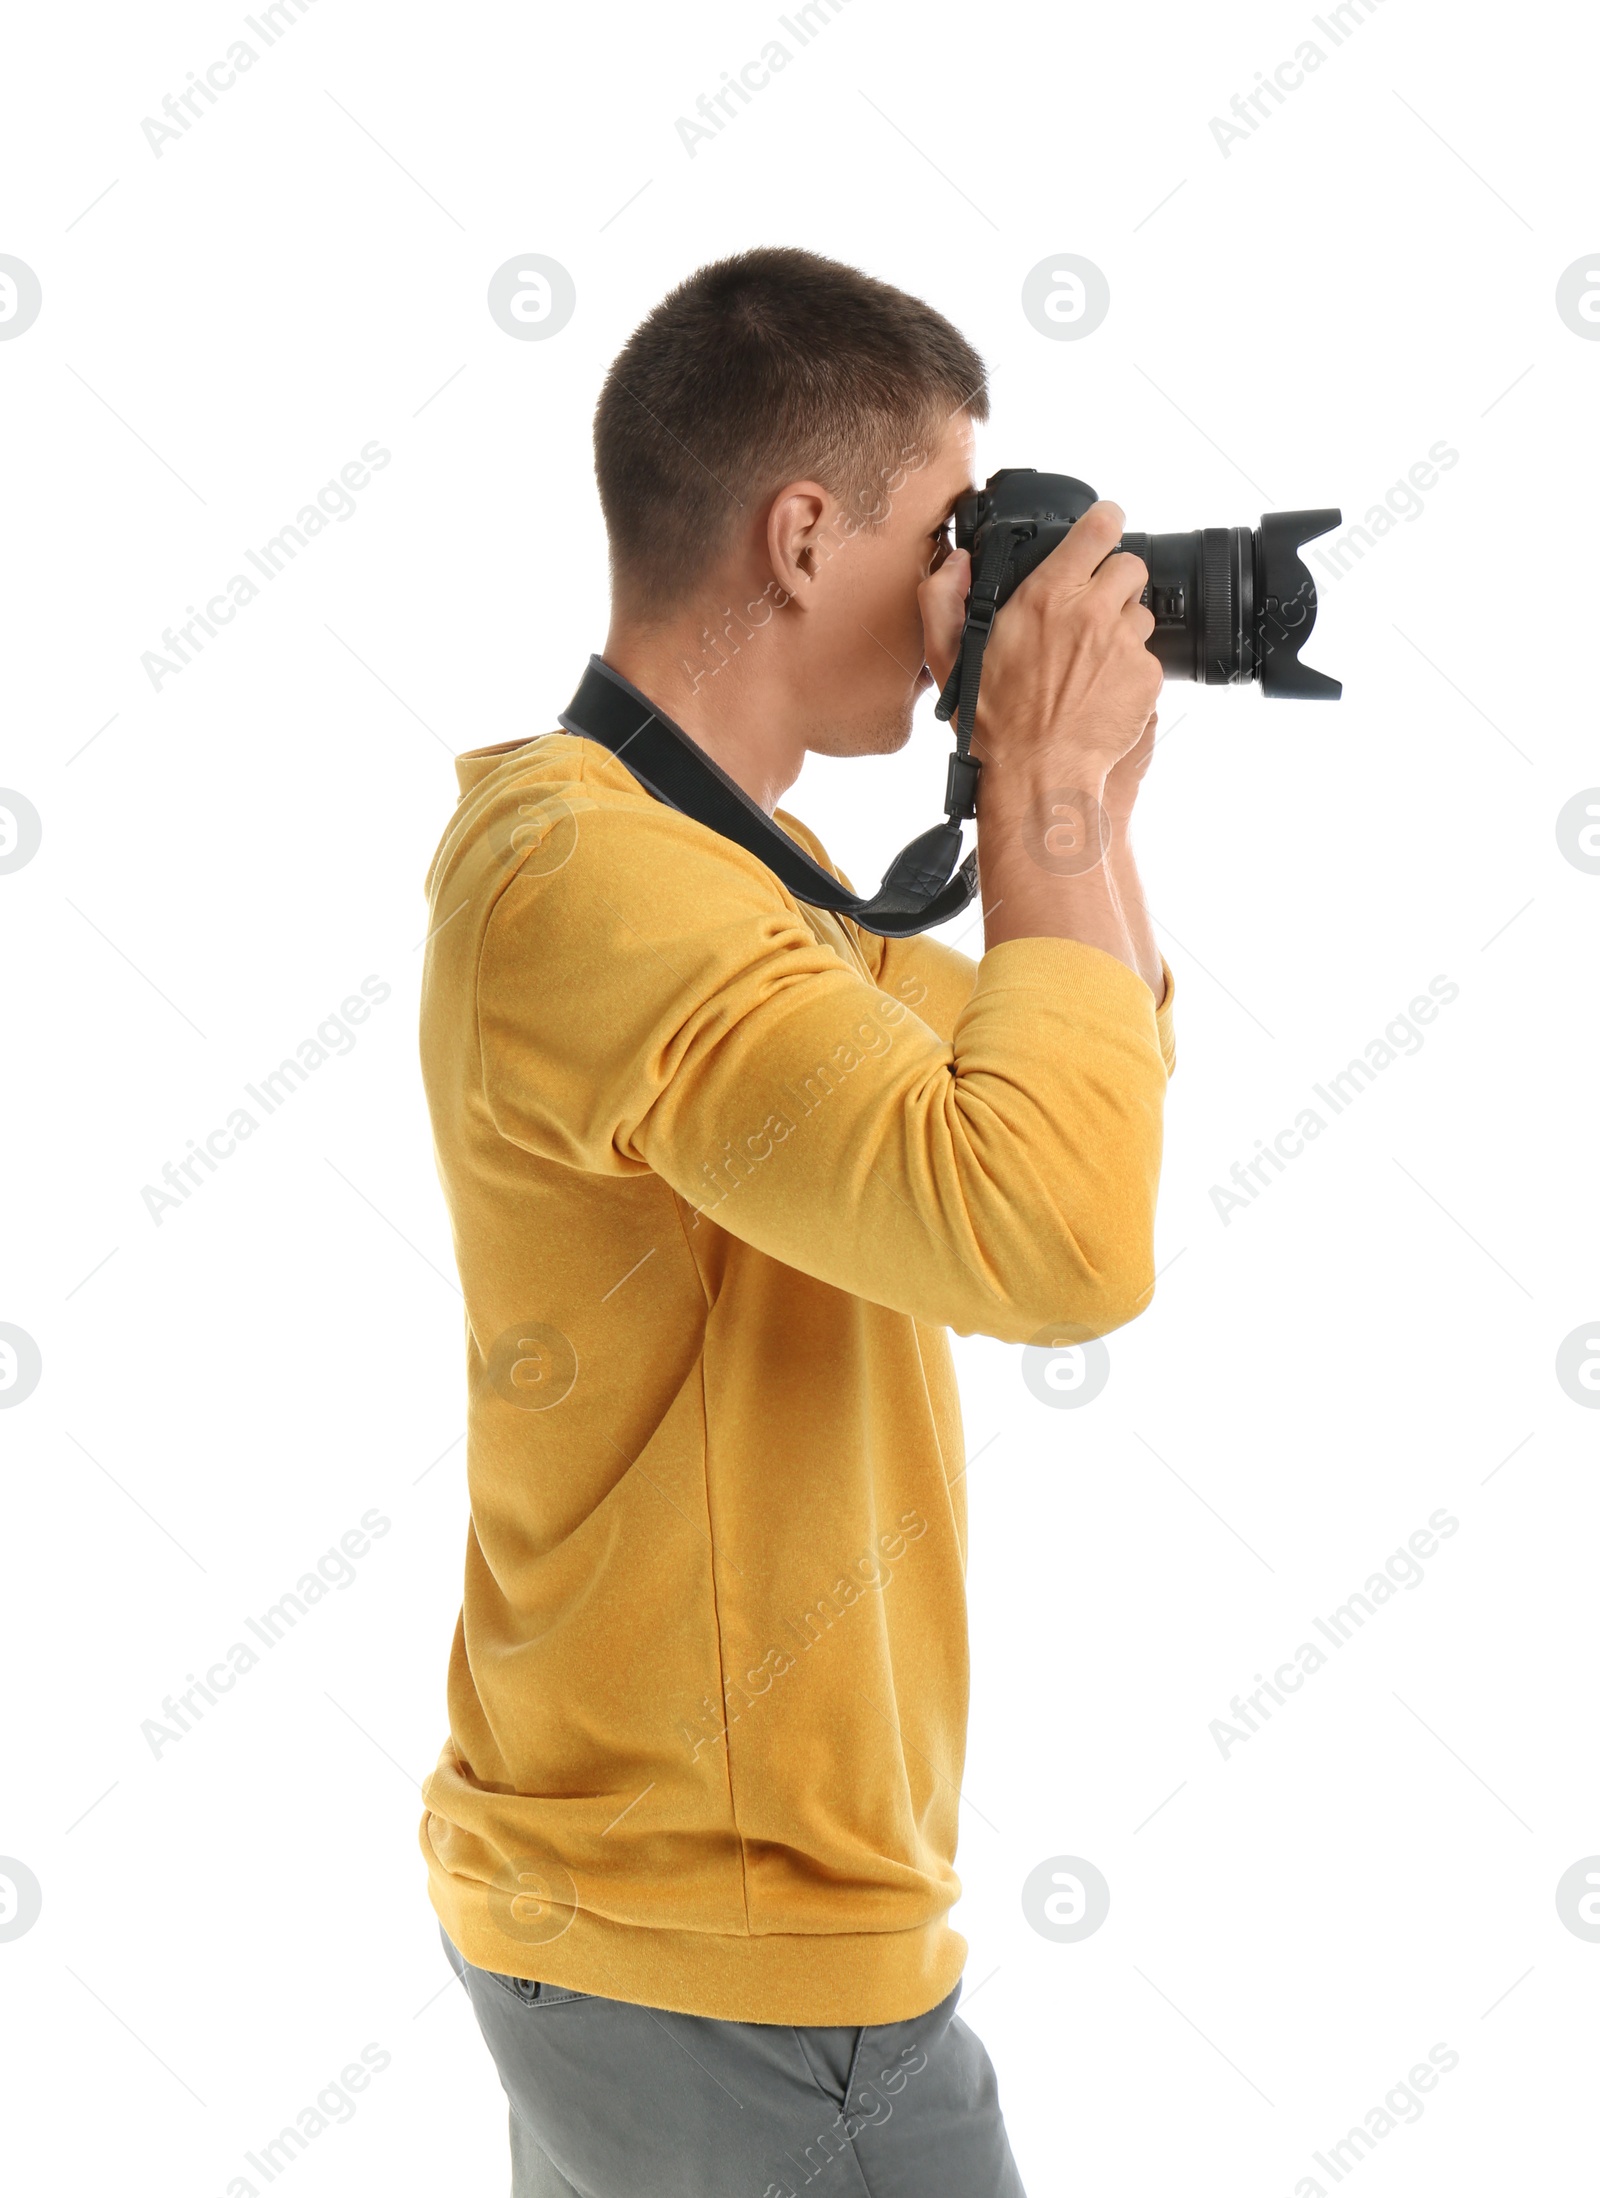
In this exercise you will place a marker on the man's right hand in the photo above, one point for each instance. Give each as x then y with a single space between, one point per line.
1068 690
1068 683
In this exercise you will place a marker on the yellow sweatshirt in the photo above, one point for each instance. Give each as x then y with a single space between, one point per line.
722 1169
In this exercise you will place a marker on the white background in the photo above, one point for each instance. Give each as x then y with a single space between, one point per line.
304 271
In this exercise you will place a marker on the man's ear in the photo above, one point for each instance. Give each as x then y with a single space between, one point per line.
796 548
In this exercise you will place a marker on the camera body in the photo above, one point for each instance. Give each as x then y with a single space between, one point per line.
1231 604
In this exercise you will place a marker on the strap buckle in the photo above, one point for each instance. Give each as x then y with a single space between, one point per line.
961 788
981 607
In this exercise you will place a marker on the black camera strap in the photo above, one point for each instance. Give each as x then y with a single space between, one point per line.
926 884
960 694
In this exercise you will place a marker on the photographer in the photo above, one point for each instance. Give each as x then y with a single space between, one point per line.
722 1168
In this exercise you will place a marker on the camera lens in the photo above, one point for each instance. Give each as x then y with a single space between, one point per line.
1202 593
1231 604
1234 603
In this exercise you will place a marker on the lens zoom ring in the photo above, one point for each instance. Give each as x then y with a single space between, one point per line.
1220 612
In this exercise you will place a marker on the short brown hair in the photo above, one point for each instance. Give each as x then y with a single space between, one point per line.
764 368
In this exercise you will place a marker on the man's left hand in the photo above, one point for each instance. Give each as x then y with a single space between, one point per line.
942 600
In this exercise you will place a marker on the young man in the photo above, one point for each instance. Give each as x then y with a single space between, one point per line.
722 1169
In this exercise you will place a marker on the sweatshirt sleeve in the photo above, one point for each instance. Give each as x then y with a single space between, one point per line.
933 977
928 975
659 1004
937 981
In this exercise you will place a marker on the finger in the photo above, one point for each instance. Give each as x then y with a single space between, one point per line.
942 600
1072 563
1140 617
1121 580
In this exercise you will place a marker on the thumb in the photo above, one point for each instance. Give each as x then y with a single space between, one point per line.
942 600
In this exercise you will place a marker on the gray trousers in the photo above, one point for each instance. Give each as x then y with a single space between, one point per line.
613 2100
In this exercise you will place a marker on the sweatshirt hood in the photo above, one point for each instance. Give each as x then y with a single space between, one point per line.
477 764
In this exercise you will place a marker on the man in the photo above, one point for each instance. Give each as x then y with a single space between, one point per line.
722 1169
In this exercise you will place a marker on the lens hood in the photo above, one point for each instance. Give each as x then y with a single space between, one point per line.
1286 599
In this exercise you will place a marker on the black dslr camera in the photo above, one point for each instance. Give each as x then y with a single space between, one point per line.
1230 603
